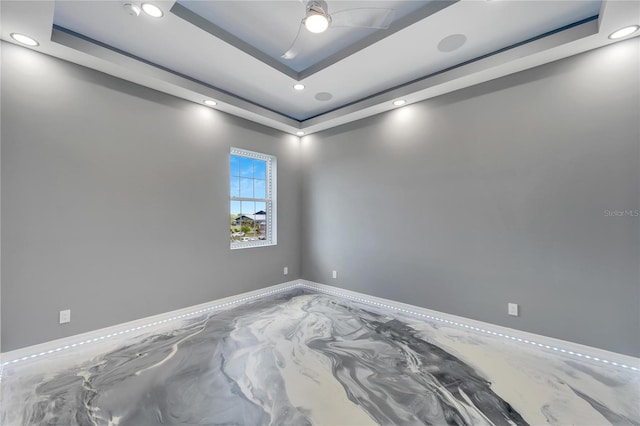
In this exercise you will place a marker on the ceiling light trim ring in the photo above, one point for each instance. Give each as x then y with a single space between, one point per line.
25 39
152 10
624 32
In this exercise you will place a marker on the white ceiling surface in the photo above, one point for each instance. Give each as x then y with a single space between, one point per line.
281 20
360 83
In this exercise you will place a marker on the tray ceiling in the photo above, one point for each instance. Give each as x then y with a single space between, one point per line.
230 51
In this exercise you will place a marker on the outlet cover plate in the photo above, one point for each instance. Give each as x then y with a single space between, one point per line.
65 316
513 309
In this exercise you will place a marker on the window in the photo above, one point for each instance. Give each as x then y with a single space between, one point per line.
252 199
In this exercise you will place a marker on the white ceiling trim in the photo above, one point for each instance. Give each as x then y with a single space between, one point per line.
528 55
151 75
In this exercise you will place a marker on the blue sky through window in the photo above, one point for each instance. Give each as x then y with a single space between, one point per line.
248 180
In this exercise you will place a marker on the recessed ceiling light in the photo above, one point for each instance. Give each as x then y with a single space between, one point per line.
298 86
623 32
152 10
399 102
210 102
132 9
21 38
300 133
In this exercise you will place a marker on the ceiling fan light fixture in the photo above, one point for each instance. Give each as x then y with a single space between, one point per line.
316 22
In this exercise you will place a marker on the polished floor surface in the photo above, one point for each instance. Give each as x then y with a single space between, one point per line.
301 358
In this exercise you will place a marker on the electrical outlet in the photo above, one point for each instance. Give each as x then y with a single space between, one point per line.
513 309
286 270
335 274
65 316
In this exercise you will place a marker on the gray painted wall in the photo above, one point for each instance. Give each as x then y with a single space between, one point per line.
113 195
493 194
114 201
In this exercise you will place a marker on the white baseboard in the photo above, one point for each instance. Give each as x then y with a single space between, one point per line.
145 324
543 343
550 344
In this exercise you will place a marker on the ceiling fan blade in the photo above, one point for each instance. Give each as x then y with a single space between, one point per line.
363 17
295 47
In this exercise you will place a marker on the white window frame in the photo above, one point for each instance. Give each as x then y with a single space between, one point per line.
270 200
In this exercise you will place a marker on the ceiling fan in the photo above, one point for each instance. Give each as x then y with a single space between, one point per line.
317 20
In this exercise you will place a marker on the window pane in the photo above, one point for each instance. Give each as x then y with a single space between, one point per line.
234 222
260 228
248 208
260 169
235 165
246 167
259 189
246 188
235 186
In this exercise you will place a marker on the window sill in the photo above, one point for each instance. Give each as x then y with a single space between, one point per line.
250 244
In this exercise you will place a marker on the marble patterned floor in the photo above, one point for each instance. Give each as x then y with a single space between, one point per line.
302 358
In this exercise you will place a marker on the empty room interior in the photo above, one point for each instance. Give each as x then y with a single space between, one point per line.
327 212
